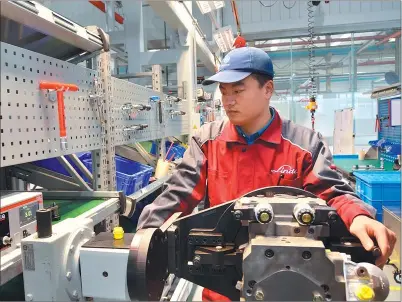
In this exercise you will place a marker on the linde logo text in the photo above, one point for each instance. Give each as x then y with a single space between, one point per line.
285 169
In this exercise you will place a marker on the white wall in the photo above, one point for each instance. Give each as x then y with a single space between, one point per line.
277 21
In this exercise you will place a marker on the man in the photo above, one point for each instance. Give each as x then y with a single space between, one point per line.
255 149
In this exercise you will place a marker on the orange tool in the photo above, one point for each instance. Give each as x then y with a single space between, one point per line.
60 88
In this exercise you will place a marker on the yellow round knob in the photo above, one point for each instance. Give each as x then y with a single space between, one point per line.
306 217
118 233
264 217
364 293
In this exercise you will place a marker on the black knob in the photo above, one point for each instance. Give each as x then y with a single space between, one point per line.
44 223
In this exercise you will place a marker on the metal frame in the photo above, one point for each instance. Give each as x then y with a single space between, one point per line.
44 20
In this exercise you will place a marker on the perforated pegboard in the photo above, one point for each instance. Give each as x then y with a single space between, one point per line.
126 92
29 121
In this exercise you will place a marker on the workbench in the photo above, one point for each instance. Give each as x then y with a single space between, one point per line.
344 164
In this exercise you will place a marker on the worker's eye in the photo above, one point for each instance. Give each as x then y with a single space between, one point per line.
238 91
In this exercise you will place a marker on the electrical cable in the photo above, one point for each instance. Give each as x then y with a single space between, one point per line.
294 3
268 5
224 212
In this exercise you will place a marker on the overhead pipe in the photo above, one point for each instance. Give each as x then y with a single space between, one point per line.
395 35
101 6
377 37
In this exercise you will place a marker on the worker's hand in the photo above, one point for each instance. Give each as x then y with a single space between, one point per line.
366 228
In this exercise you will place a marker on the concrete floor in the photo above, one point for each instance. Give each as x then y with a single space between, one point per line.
394 295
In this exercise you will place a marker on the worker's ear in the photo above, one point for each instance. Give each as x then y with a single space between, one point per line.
269 88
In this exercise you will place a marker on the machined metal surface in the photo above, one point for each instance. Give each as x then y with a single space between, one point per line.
271 262
392 220
29 125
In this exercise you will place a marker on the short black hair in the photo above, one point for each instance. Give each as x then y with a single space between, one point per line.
261 78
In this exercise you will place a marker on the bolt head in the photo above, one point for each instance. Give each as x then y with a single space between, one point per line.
317 298
259 295
332 216
269 253
29 297
71 248
75 294
238 214
68 276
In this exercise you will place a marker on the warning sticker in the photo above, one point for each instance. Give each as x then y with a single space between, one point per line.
29 257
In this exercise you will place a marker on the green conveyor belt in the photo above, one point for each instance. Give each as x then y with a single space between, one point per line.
73 208
346 164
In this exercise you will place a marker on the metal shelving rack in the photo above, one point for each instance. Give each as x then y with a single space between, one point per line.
40 45
96 115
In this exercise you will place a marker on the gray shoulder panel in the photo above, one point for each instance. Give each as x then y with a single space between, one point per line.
209 131
303 137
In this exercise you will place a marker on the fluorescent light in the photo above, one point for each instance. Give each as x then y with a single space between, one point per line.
209 6
224 38
391 40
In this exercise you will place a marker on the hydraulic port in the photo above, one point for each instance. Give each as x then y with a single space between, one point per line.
304 214
174 113
135 127
264 213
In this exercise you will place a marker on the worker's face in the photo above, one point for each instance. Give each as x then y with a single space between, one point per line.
245 101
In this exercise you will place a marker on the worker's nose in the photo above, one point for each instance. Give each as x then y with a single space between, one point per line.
229 100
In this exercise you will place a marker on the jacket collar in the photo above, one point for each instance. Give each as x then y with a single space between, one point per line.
273 134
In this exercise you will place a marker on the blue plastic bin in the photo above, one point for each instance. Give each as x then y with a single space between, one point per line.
177 149
130 176
53 164
379 188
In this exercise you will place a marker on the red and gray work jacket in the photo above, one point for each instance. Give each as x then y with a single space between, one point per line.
285 154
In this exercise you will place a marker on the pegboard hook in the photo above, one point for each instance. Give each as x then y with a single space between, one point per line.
60 88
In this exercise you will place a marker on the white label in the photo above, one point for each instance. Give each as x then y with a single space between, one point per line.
29 257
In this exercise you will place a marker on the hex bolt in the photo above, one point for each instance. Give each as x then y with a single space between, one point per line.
71 248
306 255
259 295
29 297
297 230
75 294
332 216
269 253
238 214
68 276
317 298
311 231
197 261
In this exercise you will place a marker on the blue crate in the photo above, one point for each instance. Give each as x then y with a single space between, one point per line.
379 185
177 150
379 188
131 176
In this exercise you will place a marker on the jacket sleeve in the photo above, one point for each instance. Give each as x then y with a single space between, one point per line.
328 185
184 190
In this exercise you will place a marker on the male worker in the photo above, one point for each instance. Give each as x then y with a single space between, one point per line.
257 148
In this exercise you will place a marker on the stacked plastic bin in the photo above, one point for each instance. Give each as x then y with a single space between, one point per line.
379 189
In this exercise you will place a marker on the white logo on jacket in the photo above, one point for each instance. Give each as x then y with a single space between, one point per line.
285 169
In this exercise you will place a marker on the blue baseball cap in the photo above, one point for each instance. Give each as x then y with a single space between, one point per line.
240 63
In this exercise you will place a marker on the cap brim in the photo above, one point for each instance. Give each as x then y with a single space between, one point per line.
227 76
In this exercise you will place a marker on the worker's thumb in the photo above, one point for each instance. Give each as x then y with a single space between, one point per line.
365 240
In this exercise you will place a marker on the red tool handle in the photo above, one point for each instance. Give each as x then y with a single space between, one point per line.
62 116
60 88
57 86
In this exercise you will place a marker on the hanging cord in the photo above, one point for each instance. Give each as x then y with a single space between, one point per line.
236 15
312 88
289 7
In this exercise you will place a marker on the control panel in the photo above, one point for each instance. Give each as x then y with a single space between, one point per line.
17 218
